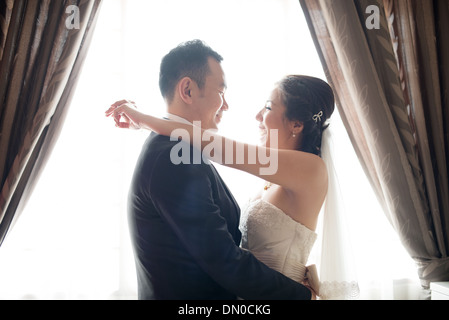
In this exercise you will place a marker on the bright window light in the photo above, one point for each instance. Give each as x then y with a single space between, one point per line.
72 240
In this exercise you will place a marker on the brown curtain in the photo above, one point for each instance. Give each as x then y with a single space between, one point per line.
391 82
43 44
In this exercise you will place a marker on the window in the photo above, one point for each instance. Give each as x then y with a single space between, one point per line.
72 241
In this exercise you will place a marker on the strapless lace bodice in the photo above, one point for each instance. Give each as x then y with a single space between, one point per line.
276 239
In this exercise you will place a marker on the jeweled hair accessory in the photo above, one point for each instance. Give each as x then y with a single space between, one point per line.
317 117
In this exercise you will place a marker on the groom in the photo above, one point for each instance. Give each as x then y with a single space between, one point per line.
184 222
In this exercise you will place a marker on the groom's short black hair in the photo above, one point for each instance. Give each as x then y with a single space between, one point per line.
189 59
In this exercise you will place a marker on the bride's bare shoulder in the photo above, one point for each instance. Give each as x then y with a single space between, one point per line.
308 171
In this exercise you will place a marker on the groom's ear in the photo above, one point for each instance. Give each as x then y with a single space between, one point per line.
185 87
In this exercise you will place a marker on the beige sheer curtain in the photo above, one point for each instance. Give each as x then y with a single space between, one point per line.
43 44
388 62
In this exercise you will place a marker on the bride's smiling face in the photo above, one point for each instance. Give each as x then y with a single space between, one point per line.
272 117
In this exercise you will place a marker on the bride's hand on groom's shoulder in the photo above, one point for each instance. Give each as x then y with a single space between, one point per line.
125 114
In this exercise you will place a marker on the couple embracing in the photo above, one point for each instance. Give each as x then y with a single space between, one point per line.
189 237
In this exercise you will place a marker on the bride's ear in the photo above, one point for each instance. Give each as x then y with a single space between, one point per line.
185 87
297 127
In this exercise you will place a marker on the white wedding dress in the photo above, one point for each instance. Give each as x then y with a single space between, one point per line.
284 245
276 239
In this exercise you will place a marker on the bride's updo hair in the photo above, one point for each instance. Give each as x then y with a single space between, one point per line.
311 101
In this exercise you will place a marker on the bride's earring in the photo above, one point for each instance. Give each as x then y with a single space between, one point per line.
294 135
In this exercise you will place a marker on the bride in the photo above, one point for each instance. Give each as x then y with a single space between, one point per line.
279 224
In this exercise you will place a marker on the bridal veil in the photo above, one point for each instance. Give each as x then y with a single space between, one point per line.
338 279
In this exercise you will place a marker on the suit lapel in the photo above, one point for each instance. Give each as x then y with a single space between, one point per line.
228 192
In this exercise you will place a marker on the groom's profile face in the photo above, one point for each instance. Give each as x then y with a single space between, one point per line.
211 102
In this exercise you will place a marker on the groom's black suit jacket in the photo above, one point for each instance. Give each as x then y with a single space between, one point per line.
184 229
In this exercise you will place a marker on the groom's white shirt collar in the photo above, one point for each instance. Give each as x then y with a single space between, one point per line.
176 118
